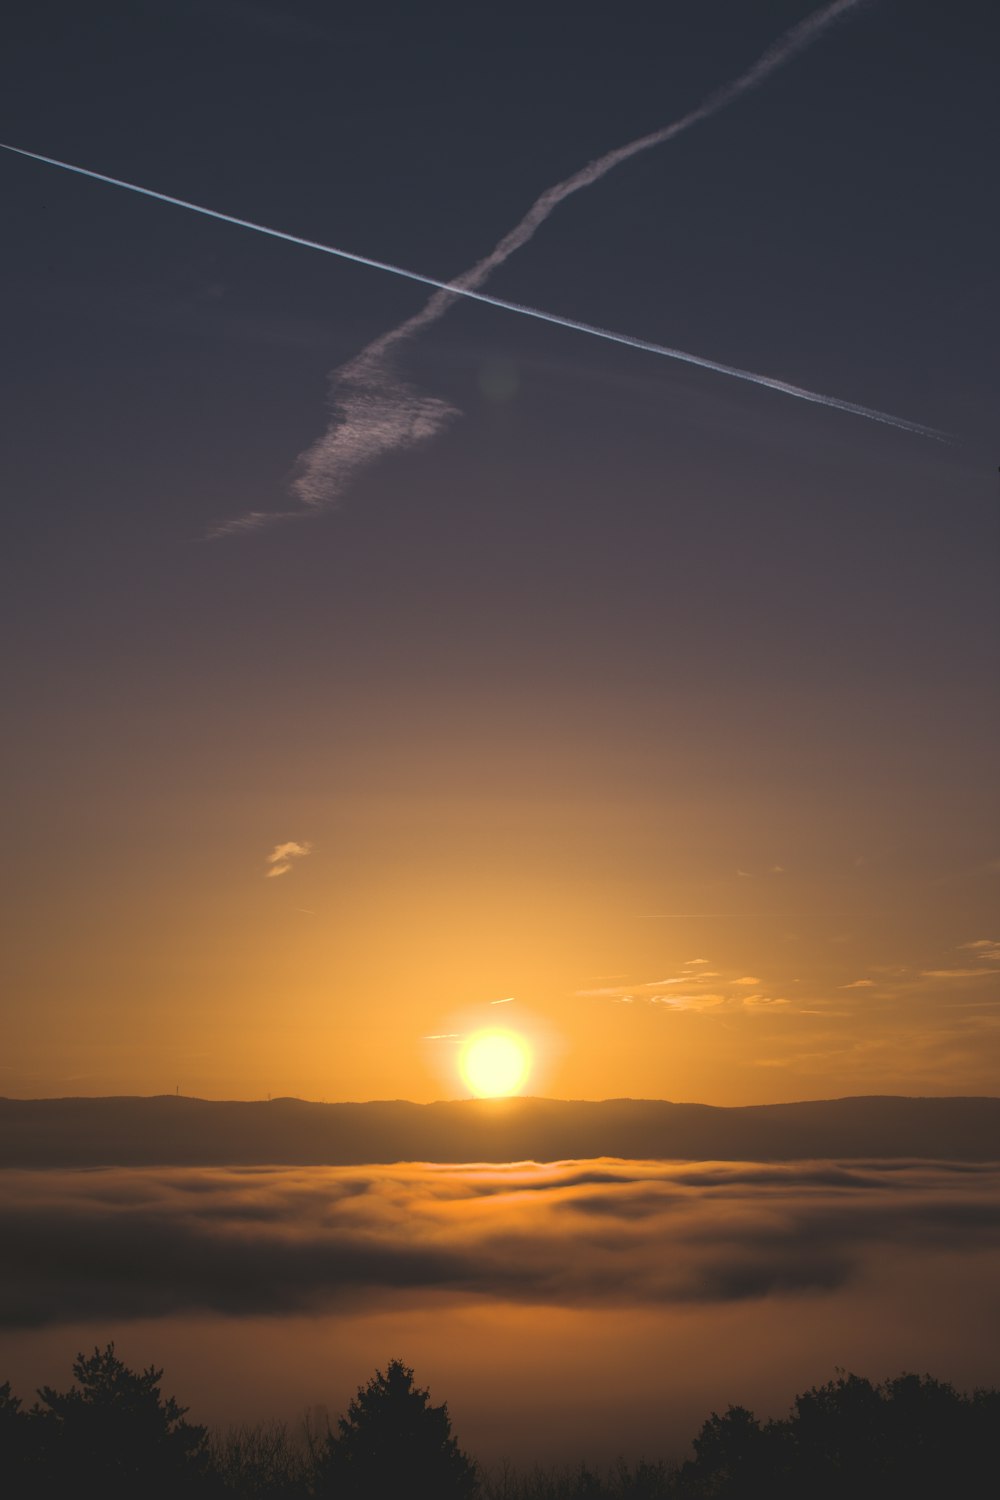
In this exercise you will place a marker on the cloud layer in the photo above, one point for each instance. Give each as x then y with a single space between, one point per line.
138 1243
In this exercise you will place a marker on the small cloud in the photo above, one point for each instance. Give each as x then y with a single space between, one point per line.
747 979
692 961
444 1036
688 1002
281 856
508 1001
777 869
986 949
957 973
859 984
616 992
744 874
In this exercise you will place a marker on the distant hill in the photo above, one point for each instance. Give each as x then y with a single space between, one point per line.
172 1131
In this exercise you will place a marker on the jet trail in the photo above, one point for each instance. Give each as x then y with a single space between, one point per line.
461 288
375 412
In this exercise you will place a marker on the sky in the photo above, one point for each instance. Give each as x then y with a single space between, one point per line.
656 705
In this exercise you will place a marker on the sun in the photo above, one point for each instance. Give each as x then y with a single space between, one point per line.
495 1063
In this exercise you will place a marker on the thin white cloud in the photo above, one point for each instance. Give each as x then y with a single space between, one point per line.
662 993
281 857
958 973
859 984
617 991
688 1002
508 1000
986 949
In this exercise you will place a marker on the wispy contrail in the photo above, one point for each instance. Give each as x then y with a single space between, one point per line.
375 412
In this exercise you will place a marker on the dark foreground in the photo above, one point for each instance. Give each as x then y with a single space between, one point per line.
113 1435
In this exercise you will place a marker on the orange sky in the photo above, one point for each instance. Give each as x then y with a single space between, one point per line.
656 931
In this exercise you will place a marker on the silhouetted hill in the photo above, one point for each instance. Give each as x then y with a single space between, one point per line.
172 1131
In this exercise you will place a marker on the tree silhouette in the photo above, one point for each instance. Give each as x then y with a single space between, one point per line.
114 1431
393 1443
912 1436
736 1456
19 1449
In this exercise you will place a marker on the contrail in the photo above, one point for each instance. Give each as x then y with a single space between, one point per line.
460 288
375 412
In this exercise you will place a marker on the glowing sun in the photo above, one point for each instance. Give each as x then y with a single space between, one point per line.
495 1063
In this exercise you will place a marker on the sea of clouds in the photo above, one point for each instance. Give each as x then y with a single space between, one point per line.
146 1243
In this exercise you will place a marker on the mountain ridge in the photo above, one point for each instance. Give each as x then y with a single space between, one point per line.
177 1130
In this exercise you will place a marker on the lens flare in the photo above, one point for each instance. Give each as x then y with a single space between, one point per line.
495 1064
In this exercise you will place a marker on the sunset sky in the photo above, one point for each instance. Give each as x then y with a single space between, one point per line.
657 706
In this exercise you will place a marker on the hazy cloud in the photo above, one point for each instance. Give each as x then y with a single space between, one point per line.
690 991
958 973
138 1243
699 1001
859 984
281 856
987 949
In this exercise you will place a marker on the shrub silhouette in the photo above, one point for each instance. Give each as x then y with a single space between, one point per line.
114 1431
393 1443
260 1462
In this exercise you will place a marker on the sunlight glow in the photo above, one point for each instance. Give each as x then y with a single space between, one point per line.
495 1063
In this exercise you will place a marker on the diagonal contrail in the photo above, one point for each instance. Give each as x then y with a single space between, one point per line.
375 412
460 287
